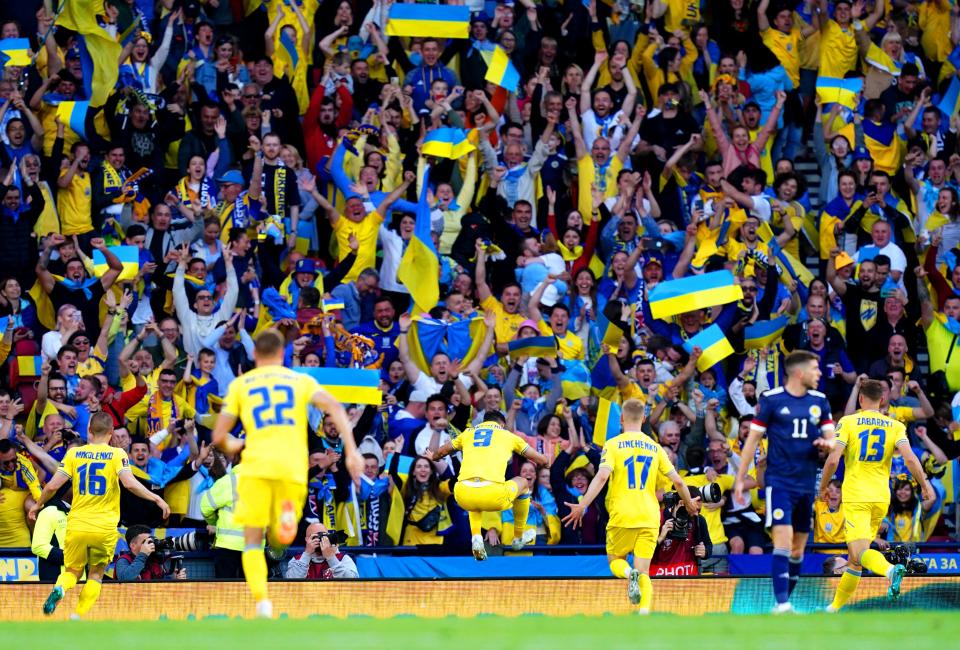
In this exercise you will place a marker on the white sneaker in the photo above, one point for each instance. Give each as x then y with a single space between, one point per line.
74 617
782 608
529 537
479 551
830 609
643 611
264 609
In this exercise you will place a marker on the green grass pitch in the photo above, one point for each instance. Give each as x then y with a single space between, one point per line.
900 630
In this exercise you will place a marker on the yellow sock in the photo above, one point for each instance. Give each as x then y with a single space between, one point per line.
875 561
88 596
476 521
255 570
67 581
520 509
620 568
848 585
646 591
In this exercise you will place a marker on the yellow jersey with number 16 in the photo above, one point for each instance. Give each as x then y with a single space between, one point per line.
870 439
271 402
95 472
635 462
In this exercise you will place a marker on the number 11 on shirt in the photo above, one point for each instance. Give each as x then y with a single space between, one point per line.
631 465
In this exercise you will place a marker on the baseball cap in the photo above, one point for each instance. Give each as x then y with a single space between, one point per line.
529 323
232 176
305 265
862 153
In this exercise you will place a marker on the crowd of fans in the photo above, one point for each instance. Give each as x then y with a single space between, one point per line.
264 159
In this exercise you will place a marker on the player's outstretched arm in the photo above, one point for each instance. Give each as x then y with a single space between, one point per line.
436 454
540 459
916 470
829 469
577 509
50 489
132 484
692 506
333 409
221 437
746 456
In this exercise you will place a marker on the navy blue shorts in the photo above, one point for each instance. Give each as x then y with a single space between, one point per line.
786 508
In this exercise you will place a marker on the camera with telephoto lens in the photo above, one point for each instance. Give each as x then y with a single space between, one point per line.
335 537
681 519
195 540
900 554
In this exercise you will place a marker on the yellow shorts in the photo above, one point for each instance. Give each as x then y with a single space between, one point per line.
260 500
639 541
862 520
486 496
82 547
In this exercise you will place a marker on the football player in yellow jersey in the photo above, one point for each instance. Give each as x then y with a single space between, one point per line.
635 463
96 471
867 441
480 488
271 402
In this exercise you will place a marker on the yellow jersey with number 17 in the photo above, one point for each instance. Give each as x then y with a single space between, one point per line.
870 439
271 402
487 448
95 472
635 462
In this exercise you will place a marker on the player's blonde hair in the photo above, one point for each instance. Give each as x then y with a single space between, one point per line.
101 424
270 343
633 411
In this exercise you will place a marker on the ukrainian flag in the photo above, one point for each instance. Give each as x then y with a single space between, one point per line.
694 292
15 51
290 48
845 92
447 142
420 266
461 339
439 21
949 105
764 333
607 424
129 256
74 115
99 51
601 379
534 346
331 304
714 345
501 71
29 366
348 385
575 380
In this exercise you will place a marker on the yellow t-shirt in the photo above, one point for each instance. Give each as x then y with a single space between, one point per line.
487 448
130 381
95 473
934 21
940 343
149 421
786 47
74 203
635 462
271 402
570 345
870 439
366 233
587 178
507 324
681 14
712 516
827 525
838 50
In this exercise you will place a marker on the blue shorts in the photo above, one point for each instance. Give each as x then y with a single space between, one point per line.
786 508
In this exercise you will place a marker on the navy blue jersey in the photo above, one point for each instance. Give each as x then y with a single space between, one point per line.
791 425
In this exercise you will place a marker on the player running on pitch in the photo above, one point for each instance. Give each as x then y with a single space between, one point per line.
797 421
487 448
96 471
867 441
271 402
634 461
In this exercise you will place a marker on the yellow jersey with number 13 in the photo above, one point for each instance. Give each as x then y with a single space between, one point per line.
487 448
95 472
870 439
271 402
635 462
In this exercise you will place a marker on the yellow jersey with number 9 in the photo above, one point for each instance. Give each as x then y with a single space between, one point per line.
870 439
94 471
636 463
271 402
487 448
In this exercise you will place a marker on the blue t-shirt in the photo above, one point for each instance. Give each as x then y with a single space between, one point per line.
791 425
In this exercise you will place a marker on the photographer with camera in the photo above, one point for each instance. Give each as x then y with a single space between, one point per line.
144 561
321 558
684 541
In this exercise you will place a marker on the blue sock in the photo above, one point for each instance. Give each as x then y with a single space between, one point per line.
796 563
780 574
